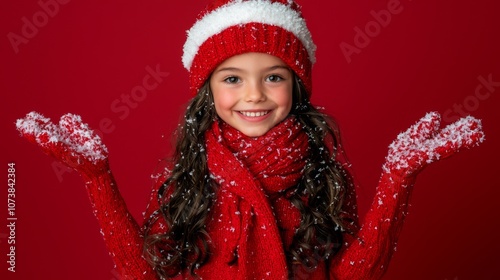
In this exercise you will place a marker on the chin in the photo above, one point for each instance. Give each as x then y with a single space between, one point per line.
254 132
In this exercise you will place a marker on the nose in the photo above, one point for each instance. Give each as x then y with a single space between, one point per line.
255 92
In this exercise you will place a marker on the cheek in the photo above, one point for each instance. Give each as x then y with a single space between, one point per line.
223 100
285 100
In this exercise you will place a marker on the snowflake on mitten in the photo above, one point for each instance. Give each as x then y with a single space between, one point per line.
423 143
71 142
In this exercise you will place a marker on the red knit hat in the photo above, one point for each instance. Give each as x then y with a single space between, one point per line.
232 27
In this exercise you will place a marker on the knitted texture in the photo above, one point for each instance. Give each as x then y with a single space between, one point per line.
77 146
121 233
252 221
249 170
229 28
367 256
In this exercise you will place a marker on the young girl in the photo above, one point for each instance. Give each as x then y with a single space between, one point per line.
257 187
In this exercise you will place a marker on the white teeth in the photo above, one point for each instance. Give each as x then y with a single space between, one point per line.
254 114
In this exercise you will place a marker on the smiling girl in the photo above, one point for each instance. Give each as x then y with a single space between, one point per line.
252 92
257 187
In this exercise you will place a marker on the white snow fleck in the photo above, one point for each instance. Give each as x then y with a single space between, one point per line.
71 132
423 143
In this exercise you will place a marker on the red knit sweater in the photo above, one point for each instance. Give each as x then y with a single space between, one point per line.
245 240
251 220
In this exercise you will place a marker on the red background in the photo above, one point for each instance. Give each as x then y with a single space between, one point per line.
427 58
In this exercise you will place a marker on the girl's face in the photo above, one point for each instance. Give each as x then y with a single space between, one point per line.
252 92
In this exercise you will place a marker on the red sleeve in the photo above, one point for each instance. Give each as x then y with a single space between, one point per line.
366 255
350 211
160 225
122 234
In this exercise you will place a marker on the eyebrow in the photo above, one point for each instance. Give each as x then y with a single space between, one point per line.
236 69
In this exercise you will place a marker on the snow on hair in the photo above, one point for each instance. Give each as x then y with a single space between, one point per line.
238 12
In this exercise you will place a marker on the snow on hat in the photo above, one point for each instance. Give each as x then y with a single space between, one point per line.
231 27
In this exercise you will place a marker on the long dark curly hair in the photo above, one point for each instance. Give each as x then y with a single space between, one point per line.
186 196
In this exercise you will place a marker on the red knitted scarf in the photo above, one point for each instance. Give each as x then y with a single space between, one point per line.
259 171
271 163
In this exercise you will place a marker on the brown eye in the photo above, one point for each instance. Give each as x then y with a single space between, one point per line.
231 80
274 78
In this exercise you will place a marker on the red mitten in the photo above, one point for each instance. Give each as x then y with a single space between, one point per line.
367 255
71 142
75 144
423 143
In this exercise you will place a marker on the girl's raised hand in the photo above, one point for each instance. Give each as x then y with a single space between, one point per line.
424 143
367 253
71 142
76 145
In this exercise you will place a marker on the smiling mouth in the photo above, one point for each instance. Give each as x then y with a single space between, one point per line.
254 114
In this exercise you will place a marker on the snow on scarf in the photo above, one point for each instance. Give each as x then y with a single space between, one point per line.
258 171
